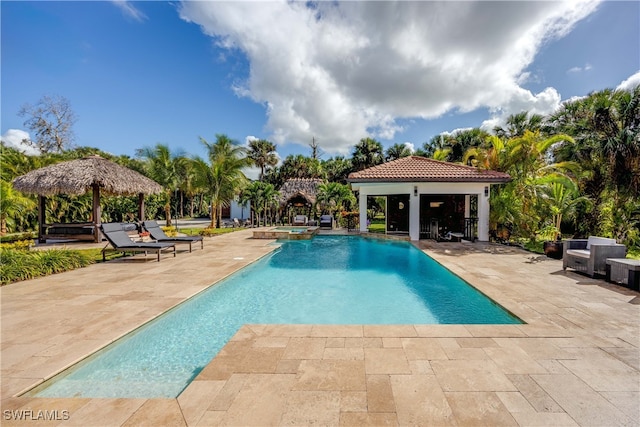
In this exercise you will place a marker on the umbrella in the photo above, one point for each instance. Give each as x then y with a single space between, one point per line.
79 176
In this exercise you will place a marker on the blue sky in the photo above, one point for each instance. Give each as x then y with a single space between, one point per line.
141 73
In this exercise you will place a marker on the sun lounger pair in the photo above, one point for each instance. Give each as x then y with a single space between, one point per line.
121 242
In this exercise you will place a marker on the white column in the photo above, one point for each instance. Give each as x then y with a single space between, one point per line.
362 206
483 215
414 214
467 206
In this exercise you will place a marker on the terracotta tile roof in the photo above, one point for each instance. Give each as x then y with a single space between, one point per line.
415 168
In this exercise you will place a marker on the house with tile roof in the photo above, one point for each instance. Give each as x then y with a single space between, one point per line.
428 198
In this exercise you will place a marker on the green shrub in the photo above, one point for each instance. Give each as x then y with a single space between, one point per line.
21 245
209 231
14 237
19 265
170 231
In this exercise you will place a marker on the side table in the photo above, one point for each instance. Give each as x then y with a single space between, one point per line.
623 270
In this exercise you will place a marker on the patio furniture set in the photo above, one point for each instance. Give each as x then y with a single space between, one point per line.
117 234
600 255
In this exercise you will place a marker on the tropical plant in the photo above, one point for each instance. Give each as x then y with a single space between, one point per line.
162 166
12 205
222 176
397 151
517 124
263 154
561 195
337 169
262 197
334 197
368 152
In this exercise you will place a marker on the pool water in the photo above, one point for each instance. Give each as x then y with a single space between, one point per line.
327 280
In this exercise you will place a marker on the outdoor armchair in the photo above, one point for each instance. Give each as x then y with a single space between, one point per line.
300 220
326 221
156 233
590 255
121 242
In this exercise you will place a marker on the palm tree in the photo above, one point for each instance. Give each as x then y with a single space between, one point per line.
222 175
397 151
527 159
518 124
300 166
333 196
162 166
263 154
368 152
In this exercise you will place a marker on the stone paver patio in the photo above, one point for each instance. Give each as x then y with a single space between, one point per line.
575 362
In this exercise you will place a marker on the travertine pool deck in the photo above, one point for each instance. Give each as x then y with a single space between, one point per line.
575 362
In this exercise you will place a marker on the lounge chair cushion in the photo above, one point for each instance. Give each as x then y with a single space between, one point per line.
582 253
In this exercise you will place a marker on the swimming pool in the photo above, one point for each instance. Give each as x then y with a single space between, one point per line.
328 280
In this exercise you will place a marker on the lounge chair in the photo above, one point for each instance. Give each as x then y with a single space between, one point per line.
157 234
590 255
326 221
300 220
121 242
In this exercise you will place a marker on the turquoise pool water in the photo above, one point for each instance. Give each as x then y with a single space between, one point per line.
327 280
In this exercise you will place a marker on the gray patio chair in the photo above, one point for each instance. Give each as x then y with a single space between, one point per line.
121 242
326 221
157 234
590 255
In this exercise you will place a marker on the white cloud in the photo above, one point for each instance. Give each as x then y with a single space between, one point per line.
630 83
343 71
587 67
129 10
14 138
411 146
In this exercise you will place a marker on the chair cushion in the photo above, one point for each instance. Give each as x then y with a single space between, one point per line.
580 253
593 240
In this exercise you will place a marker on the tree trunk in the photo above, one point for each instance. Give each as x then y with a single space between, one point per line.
181 204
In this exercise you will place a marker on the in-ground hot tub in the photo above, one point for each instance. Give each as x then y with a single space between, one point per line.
287 232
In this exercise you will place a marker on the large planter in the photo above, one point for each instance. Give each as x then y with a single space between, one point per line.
553 248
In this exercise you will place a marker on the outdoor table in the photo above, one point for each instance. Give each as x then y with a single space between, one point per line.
624 270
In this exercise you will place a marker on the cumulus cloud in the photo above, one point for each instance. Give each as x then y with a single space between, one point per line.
129 10
15 138
630 83
411 146
343 71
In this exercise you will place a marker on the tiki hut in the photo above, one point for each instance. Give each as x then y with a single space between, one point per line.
298 196
76 177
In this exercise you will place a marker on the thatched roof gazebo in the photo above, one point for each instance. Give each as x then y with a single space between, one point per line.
299 190
76 177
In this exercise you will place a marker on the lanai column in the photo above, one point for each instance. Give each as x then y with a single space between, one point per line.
483 215
362 206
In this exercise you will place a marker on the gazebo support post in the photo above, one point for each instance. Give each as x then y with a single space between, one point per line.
96 212
141 206
41 219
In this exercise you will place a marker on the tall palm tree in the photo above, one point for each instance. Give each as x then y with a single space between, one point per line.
263 154
368 152
161 165
223 173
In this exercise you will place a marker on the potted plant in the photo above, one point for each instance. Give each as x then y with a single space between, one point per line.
553 245
561 195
